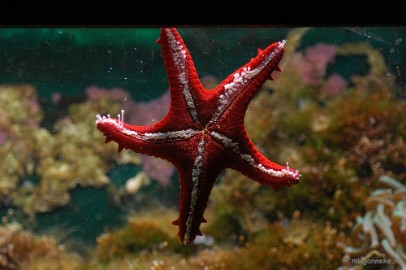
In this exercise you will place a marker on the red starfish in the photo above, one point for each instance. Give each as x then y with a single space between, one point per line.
204 132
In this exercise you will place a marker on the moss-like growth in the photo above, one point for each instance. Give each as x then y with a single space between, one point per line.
59 160
22 250
144 233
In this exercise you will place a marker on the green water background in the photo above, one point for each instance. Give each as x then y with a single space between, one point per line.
67 60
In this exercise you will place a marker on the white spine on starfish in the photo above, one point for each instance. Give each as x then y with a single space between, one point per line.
240 80
158 136
179 58
233 146
197 170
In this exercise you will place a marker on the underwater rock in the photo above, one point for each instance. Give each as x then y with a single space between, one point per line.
135 183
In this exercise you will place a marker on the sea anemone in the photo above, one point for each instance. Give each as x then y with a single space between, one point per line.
382 230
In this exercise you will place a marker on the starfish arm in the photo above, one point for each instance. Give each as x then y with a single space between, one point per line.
197 177
258 168
182 75
144 139
246 159
237 90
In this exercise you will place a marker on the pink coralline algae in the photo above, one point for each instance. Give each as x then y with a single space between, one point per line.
94 92
158 169
334 86
150 112
313 63
4 129
17 103
3 138
147 113
317 58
